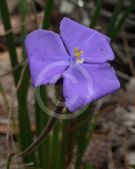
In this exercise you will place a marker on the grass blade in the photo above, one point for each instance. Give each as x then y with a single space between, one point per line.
48 13
60 144
114 17
25 136
96 14
24 125
122 19
89 166
23 14
64 141
41 117
82 132
10 38
56 161
41 121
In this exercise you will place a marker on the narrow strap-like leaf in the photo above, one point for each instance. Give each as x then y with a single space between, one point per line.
114 17
24 125
10 38
123 18
41 116
48 14
23 14
83 132
96 13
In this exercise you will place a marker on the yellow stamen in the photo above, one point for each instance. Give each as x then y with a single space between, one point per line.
78 53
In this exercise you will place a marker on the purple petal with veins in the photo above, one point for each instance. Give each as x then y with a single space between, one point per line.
79 55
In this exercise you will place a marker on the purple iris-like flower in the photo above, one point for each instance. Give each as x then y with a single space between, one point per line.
79 55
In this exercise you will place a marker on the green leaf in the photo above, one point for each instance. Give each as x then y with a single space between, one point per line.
64 142
10 38
23 14
25 136
56 147
123 18
83 134
89 166
41 116
114 17
41 122
48 14
96 14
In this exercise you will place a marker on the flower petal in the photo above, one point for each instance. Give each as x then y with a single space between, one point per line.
103 78
96 46
47 56
77 87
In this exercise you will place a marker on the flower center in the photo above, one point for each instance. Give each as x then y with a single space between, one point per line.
78 58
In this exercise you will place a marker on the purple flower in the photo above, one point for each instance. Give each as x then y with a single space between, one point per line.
79 55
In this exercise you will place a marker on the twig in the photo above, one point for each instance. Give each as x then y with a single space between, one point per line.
33 11
4 97
111 163
15 68
30 149
22 24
